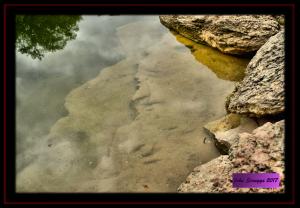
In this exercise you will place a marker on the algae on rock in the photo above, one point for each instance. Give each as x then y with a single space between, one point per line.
225 66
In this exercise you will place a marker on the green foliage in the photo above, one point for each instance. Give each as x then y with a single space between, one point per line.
38 34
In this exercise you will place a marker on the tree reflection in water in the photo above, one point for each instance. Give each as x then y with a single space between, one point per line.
39 34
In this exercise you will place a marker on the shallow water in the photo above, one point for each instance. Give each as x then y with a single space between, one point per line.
120 109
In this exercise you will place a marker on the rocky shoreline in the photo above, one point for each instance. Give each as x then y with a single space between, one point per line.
146 121
248 139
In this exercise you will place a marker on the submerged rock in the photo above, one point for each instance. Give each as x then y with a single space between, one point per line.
225 66
232 34
225 130
260 151
225 123
261 92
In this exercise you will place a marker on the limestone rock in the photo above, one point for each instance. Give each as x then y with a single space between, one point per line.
232 34
205 178
225 130
260 151
223 124
261 92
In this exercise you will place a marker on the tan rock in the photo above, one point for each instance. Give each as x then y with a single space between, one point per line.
232 34
250 153
225 130
261 92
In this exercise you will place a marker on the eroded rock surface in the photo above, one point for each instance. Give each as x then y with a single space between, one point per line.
260 151
232 34
261 92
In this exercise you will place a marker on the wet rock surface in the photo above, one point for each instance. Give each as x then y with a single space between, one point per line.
225 123
232 34
259 151
261 92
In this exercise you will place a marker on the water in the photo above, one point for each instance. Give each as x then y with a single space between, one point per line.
119 109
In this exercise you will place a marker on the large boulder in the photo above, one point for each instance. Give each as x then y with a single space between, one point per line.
261 92
261 151
232 34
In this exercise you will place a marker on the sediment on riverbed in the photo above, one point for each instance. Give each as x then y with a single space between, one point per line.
137 126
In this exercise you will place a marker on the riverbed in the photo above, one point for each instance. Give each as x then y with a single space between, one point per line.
120 109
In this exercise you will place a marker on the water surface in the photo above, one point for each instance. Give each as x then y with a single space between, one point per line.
119 109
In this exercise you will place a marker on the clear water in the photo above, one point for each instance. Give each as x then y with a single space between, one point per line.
120 109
